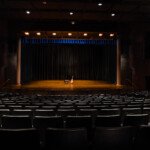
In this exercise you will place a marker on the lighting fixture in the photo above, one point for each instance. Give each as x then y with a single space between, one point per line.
113 14
71 13
44 2
38 33
72 22
28 12
85 34
54 33
100 4
27 33
69 34
100 34
111 35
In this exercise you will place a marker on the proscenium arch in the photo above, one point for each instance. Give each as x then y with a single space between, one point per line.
118 67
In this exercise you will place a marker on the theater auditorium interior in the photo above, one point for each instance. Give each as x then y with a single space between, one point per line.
75 74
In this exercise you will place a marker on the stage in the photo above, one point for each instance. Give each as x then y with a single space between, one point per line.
59 86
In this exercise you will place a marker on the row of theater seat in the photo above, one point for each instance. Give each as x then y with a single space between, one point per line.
25 121
41 123
73 112
104 138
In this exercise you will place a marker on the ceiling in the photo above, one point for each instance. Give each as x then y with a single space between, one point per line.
84 12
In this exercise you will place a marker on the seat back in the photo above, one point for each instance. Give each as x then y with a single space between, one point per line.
4 112
81 122
110 111
66 112
136 119
16 121
142 138
117 138
19 139
108 121
126 111
44 112
67 139
43 122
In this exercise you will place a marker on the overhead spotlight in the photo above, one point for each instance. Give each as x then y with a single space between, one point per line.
100 34
100 4
28 12
54 33
44 2
38 33
69 34
71 13
113 14
27 33
72 22
111 35
85 34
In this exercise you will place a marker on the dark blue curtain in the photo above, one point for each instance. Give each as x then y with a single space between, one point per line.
60 60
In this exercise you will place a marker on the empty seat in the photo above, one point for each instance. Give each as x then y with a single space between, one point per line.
17 139
126 111
49 107
14 122
81 122
14 107
4 112
136 119
2 106
66 112
115 138
52 104
67 139
142 138
131 111
146 110
22 112
44 112
48 121
67 104
91 112
43 122
31 107
108 121
37 104
66 107
81 104
83 107
111 111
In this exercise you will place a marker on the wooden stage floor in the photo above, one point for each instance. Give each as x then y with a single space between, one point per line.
60 85
54 87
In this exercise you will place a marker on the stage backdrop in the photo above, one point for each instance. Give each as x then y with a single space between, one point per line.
45 59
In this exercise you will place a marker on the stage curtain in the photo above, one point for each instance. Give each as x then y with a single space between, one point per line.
59 61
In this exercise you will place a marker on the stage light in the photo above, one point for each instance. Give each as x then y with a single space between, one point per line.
71 13
100 4
28 12
113 14
72 22
44 2
54 33
69 34
111 35
100 34
38 33
27 33
85 34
